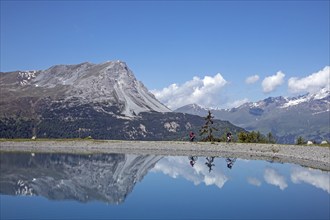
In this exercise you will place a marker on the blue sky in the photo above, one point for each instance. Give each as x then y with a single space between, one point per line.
183 51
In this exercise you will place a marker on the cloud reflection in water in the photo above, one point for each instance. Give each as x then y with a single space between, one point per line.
199 173
272 177
313 177
176 167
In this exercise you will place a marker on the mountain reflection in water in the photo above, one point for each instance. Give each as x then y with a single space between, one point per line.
104 177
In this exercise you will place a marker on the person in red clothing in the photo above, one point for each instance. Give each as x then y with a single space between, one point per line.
192 136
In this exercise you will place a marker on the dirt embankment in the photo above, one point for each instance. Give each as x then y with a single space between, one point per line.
310 156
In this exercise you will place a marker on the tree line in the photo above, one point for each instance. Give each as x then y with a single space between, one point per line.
207 130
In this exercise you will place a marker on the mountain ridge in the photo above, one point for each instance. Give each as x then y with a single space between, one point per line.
104 101
287 118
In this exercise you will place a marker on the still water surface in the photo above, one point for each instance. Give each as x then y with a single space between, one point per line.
103 186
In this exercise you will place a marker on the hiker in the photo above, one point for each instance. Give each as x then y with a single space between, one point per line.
228 137
192 136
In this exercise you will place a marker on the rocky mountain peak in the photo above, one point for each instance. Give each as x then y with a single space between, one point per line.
110 83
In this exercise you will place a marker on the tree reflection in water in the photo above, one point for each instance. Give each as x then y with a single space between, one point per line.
209 163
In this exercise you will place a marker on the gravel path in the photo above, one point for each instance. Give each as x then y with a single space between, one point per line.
310 156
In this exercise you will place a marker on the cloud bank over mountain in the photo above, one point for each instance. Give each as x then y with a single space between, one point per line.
215 91
311 83
202 91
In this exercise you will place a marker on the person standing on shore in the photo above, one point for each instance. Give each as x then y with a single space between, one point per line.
228 137
192 136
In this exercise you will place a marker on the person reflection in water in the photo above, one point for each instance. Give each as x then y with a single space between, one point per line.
193 160
209 163
230 162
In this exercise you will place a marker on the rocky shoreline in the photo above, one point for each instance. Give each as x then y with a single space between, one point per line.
310 156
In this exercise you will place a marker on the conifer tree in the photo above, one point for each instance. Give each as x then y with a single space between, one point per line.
255 137
271 138
207 128
242 137
300 141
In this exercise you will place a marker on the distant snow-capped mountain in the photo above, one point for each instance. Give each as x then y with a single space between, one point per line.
287 118
284 102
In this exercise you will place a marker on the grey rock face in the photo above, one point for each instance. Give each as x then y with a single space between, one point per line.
110 83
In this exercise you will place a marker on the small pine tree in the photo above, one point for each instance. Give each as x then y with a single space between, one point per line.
270 138
300 141
207 128
252 137
242 137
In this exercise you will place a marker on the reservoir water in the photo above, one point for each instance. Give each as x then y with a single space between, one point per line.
123 186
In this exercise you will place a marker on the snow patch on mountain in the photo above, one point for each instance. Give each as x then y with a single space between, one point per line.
322 94
255 104
316 113
25 77
294 102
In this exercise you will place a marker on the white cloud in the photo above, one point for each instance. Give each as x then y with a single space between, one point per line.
204 92
316 178
270 83
311 83
252 79
272 177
